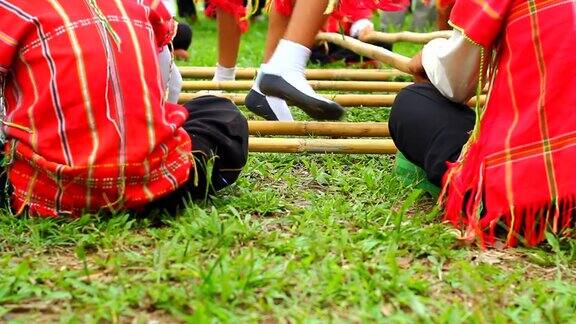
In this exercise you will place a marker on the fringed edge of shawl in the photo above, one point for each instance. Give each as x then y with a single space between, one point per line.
463 199
526 226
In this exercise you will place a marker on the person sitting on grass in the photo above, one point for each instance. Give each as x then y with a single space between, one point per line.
187 9
508 166
86 125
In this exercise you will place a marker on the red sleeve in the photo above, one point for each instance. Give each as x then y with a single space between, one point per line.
12 30
162 22
481 21
353 11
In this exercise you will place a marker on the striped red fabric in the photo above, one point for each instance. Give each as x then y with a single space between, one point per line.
88 126
518 170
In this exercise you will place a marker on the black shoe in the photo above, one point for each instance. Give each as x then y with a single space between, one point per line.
276 86
257 103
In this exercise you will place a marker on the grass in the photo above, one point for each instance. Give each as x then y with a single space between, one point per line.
299 238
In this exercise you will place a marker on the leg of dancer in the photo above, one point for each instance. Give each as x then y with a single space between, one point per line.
268 107
283 75
229 34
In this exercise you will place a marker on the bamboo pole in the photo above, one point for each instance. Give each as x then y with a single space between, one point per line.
336 129
350 100
398 61
311 74
316 85
405 36
343 146
347 100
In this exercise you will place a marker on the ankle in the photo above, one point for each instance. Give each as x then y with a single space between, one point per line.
289 56
224 73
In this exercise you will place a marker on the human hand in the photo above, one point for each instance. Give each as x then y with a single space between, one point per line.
417 70
366 31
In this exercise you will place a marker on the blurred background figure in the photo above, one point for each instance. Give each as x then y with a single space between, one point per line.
187 9
183 38
353 19
423 17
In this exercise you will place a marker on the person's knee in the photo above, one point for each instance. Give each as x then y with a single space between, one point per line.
208 104
235 157
401 108
220 134
241 132
406 95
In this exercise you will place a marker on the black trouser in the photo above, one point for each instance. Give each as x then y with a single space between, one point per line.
219 134
429 129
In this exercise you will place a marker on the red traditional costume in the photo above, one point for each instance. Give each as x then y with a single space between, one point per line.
87 126
518 168
345 14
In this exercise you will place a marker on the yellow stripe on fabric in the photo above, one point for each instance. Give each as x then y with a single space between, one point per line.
112 76
147 192
7 39
507 147
531 150
30 110
30 187
140 64
544 128
524 8
487 9
82 77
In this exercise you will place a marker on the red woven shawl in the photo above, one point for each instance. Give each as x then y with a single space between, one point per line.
519 168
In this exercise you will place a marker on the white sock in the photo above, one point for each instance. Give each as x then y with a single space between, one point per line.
279 106
288 56
256 84
289 61
224 73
